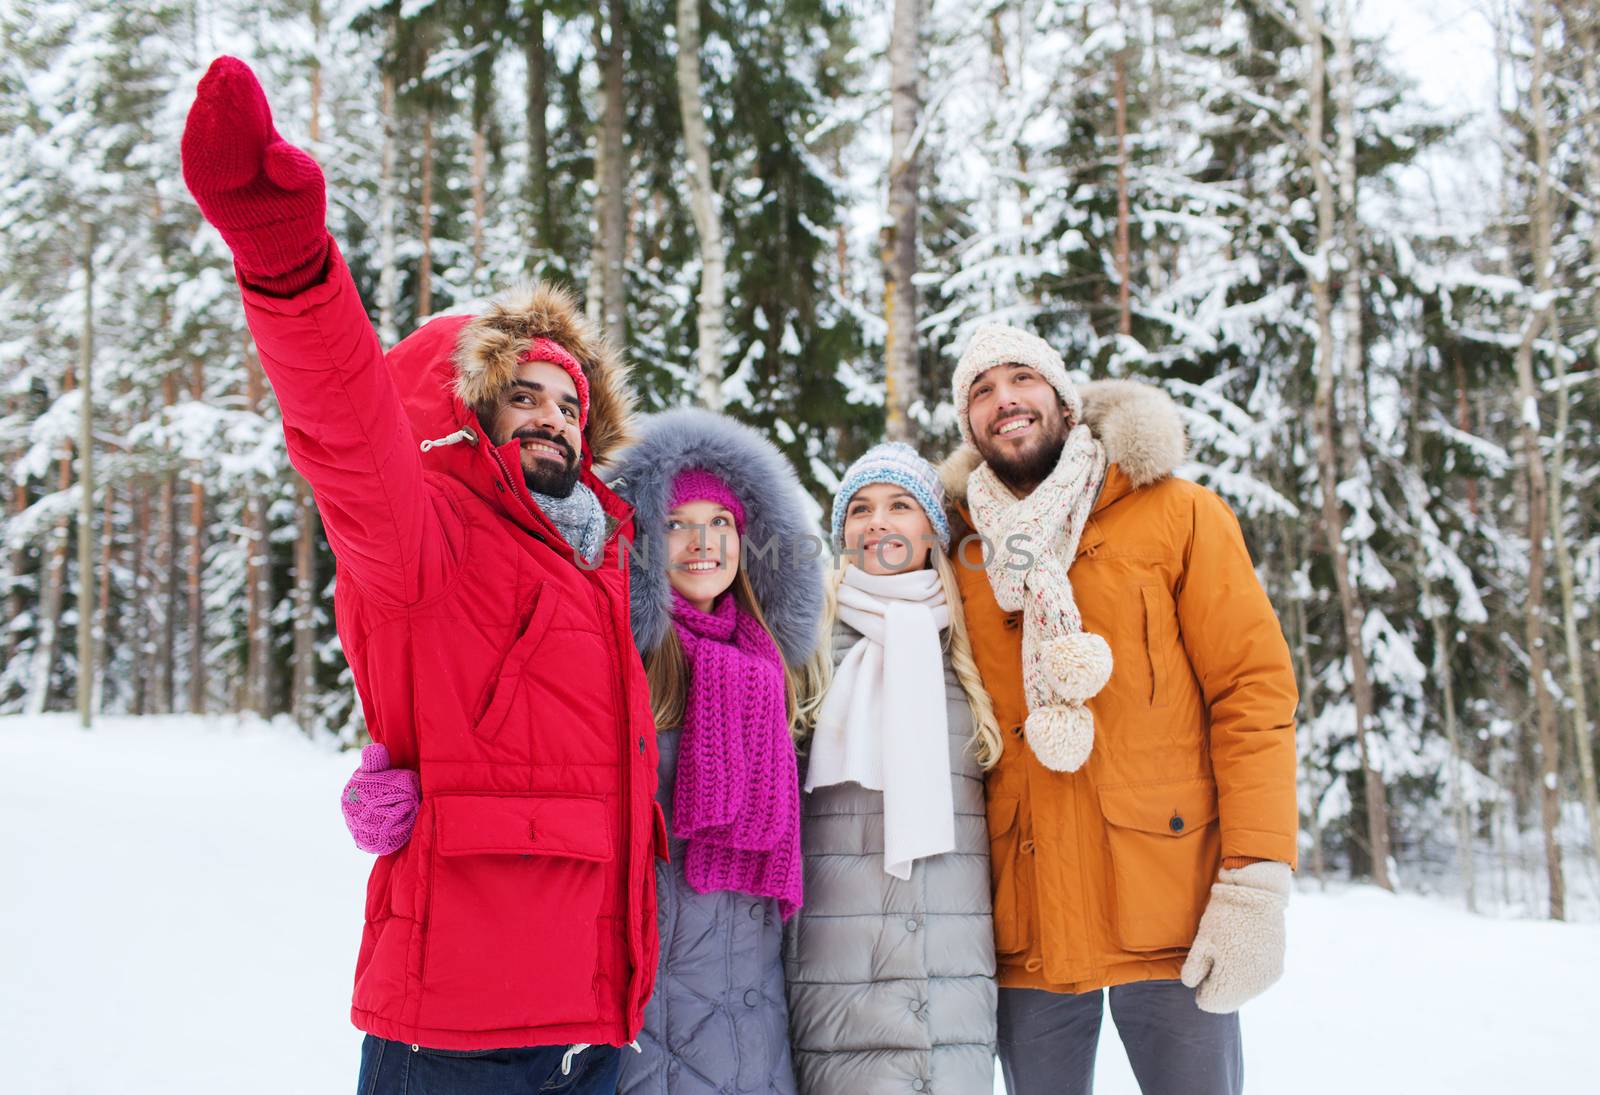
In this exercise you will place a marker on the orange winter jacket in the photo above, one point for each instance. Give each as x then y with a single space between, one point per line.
1100 875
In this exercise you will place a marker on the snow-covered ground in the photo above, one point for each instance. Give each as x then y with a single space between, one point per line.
179 911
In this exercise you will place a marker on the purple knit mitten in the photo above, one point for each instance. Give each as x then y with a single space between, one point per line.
380 803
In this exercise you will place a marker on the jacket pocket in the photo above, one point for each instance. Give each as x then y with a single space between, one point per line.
501 691
1164 843
512 931
1160 618
658 833
1005 856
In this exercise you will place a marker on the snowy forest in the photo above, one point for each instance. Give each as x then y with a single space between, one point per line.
1380 315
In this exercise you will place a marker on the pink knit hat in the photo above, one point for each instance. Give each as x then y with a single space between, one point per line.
699 485
551 351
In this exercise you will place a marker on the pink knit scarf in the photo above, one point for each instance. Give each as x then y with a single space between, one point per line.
737 799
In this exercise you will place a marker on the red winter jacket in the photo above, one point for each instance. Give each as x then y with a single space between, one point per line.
523 910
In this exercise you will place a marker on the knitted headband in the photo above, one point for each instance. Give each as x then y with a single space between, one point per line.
897 463
551 351
699 485
995 344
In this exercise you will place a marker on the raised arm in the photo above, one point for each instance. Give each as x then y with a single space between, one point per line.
346 428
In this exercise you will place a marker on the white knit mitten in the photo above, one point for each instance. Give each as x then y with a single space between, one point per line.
1238 952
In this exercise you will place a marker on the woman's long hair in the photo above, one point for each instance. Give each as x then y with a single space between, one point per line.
987 744
668 676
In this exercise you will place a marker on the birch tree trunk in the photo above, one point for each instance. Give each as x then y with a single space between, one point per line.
611 168
167 570
538 131
86 583
253 692
1537 487
900 236
18 600
308 522
1120 82
705 207
1354 459
480 183
1577 692
143 628
52 587
388 273
1443 677
1581 29
1305 677
197 564
102 630
595 299
425 215
1328 453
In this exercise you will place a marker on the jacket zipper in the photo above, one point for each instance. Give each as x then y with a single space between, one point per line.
619 702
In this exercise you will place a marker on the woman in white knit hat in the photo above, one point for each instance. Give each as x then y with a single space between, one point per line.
890 965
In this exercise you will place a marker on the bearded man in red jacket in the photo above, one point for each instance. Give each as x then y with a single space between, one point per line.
480 603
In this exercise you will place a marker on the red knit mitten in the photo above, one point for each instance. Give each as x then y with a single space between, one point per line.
263 194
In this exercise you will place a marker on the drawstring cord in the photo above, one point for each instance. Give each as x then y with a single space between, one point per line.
566 1061
463 434
573 1051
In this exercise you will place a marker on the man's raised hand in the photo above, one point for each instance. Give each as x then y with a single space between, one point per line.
265 196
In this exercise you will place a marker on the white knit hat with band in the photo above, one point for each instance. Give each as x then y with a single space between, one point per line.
996 344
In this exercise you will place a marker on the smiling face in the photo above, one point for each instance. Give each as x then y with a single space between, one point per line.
702 551
1019 424
886 530
541 411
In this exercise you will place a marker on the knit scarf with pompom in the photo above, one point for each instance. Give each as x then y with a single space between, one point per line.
1063 665
737 799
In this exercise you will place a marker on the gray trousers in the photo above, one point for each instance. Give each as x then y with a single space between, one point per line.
1047 1041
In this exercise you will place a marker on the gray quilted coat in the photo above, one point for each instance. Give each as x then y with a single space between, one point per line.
718 1022
891 984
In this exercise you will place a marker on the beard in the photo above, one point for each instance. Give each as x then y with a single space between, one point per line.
1024 469
541 475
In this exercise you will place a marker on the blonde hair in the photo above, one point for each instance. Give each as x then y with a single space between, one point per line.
987 744
667 673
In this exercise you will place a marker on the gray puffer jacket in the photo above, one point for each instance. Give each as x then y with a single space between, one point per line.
891 984
717 1022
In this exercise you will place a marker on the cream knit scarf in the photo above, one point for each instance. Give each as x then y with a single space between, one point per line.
1062 664
883 723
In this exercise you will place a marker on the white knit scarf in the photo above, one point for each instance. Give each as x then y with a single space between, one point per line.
1063 665
883 723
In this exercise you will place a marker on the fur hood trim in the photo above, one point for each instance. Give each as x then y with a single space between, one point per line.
489 346
1138 423
787 580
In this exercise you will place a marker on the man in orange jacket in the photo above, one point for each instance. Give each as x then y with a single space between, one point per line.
1143 816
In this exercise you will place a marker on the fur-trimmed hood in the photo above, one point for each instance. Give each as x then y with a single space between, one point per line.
1138 424
787 580
488 347
451 366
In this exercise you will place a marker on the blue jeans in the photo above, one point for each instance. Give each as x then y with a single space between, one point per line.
395 1068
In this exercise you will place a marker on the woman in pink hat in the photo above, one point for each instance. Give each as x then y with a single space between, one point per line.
725 603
